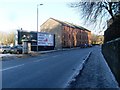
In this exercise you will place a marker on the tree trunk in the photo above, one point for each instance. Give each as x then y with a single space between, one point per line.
110 10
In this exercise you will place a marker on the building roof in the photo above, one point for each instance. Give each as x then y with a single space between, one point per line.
70 24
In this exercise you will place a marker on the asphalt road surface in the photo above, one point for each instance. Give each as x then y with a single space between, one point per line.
51 70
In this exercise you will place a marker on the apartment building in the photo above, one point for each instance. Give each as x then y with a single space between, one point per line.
67 35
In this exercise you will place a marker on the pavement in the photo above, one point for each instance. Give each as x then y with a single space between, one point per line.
95 74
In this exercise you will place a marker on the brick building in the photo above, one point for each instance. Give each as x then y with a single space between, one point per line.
66 34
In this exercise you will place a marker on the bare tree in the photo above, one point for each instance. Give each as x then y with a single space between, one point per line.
7 38
91 11
97 39
11 38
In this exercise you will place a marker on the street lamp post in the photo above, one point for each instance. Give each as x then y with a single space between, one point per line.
37 24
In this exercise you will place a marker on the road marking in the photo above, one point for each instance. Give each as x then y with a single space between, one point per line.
12 67
45 58
24 64
56 56
40 60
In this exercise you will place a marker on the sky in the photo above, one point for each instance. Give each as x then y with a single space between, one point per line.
17 14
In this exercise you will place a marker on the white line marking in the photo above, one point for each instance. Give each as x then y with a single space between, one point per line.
45 58
40 60
24 64
56 56
12 67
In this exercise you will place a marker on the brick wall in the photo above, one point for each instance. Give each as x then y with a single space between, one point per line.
53 27
66 36
73 37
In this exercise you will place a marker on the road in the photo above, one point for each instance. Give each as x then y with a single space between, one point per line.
51 70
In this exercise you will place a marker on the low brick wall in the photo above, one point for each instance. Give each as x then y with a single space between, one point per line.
111 52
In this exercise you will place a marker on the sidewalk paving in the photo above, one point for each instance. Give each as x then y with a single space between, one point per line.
95 74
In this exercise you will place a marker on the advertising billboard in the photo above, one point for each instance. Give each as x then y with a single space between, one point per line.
32 36
45 39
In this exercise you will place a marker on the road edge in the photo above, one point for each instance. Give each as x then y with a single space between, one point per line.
36 54
78 71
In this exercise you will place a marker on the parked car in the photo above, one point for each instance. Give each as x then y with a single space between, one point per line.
83 45
90 45
16 50
5 49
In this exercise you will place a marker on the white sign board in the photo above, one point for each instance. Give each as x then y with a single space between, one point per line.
44 39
